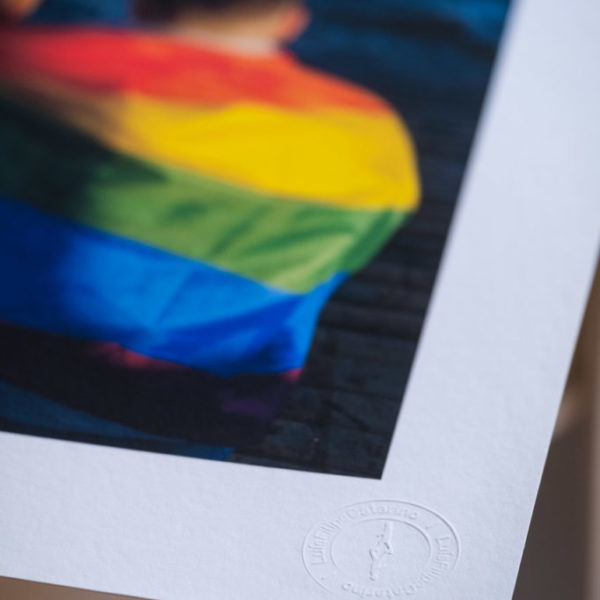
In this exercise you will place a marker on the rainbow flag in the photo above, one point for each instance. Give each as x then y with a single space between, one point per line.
173 207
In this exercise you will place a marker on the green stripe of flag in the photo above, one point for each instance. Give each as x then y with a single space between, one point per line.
293 245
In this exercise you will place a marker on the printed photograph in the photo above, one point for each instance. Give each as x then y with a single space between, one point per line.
221 221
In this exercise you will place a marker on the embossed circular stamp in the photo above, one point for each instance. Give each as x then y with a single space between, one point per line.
380 549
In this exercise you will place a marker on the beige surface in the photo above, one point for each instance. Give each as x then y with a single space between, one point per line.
11 589
592 365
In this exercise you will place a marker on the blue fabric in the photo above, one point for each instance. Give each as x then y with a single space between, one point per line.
87 11
481 17
69 279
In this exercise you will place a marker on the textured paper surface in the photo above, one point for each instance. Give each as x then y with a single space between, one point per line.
477 416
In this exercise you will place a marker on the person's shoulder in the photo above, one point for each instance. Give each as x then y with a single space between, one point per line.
321 88
12 11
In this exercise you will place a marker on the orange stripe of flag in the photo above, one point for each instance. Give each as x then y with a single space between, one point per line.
118 61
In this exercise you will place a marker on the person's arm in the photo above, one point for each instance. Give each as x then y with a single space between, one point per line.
14 10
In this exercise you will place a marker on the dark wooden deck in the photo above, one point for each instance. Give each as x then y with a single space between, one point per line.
344 411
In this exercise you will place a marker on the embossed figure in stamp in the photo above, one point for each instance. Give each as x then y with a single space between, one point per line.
381 550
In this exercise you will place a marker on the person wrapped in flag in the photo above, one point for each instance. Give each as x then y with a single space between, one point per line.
178 202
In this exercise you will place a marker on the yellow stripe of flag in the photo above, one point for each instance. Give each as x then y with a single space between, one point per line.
345 158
